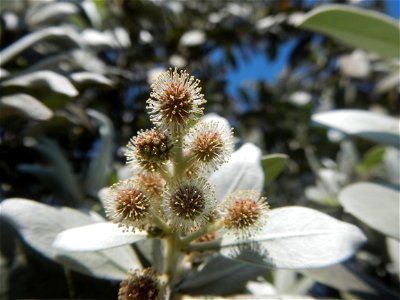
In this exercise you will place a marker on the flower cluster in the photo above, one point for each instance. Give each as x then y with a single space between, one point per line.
172 162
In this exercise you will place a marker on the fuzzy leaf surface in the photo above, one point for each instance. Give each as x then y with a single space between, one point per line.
296 238
39 224
243 171
376 205
371 126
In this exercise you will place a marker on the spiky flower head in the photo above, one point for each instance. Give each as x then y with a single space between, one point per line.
141 284
128 204
149 150
245 212
209 144
175 100
188 203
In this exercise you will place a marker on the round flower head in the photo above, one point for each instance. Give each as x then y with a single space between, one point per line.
128 205
141 284
149 150
245 212
188 204
175 100
154 186
210 144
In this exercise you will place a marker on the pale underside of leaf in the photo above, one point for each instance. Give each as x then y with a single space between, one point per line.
49 79
95 237
39 224
294 238
374 204
26 105
372 126
242 172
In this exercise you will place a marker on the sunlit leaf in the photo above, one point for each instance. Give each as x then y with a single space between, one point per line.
296 238
273 165
50 12
220 276
193 38
374 204
357 27
95 237
50 80
88 78
25 105
39 224
242 172
372 126
63 33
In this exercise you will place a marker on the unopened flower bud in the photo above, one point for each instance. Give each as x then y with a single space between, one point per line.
245 212
128 204
188 203
149 150
141 284
175 100
210 144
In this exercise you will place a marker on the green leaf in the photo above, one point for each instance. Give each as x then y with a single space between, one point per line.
220 276
95 237
242 172
371 159
376 205
372 126
39 224
62 33
273 165
100 165
296 238
25 105
50 80
357 27
345 278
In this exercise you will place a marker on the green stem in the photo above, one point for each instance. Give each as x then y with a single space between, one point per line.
161 224
211 228
173 257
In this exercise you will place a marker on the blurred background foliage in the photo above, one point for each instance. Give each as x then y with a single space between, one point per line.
75 77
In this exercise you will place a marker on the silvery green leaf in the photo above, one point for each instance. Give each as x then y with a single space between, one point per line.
90 10
346 278
63 33
89 78
95 237
243 171
193 38
25 105
264 288
98 39
50 80
39 224
353 25
393 249
376 205
372 126
50 12
220 276
100 165
296 238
